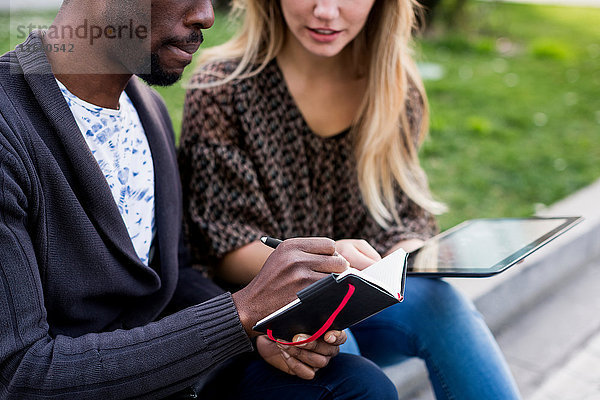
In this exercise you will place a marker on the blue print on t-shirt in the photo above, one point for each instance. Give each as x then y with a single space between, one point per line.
118 142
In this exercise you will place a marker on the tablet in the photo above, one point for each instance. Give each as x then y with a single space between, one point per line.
485 247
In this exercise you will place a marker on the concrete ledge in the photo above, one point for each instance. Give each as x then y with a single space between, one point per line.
562 3
501 298
13 5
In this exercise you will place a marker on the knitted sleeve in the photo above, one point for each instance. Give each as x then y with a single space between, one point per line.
150 361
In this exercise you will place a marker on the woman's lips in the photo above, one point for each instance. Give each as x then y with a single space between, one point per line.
323 35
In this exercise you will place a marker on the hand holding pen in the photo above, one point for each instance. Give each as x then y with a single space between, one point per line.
273 243
295 264
306 358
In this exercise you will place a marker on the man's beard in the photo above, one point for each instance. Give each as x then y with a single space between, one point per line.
158 76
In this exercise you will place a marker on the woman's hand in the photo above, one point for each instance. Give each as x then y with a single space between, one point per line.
407 245
303 360
358 252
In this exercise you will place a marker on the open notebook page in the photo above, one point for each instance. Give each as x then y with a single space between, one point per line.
385 273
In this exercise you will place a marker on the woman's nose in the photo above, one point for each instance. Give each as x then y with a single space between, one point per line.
327 9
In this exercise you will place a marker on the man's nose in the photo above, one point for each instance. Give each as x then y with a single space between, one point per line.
200 15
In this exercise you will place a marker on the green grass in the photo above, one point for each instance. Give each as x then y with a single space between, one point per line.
515 121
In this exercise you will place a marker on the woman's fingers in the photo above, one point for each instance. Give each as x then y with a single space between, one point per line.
359 260
359 253
364 247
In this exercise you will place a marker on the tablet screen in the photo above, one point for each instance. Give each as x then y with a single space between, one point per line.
483 247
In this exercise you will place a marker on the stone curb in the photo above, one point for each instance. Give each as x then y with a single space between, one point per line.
562 3
12 5
501 298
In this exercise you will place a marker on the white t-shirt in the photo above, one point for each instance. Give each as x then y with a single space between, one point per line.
118 141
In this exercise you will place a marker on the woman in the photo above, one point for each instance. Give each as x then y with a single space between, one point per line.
307 123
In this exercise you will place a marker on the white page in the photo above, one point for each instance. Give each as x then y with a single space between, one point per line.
386 273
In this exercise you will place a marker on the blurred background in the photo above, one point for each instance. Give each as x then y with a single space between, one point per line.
514 91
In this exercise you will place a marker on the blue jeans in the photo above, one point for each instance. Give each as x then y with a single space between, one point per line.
347 377
440 326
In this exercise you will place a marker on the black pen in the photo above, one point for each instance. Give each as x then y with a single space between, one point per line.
271 242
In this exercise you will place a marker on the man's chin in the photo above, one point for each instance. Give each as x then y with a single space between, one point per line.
158 75
160 78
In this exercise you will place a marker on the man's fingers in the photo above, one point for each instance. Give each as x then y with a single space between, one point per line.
317 347
310 358
315 354
335 338
331 338
326 264
297 367
323 246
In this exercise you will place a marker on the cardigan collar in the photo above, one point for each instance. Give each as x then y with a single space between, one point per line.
82 169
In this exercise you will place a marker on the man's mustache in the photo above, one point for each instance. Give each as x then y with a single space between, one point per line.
194 38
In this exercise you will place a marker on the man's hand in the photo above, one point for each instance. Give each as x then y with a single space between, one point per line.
358 252
295 264
303 360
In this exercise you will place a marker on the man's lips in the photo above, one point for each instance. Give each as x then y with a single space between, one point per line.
189 48
184 51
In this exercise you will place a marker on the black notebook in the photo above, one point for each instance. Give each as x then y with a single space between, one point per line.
340 300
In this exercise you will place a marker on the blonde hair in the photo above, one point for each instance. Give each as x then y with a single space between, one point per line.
384 158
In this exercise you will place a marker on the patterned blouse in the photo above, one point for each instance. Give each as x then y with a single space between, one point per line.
251 166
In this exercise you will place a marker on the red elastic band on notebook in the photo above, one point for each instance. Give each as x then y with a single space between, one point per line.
325 326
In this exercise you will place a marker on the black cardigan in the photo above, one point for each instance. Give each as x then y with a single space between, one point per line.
78 309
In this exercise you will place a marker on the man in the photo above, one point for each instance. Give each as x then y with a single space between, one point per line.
92 294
